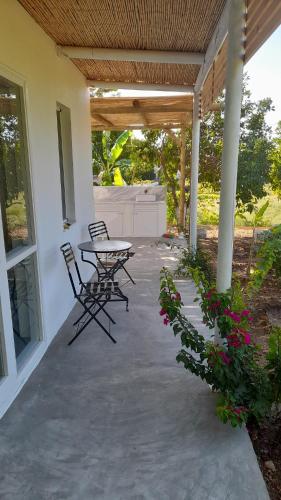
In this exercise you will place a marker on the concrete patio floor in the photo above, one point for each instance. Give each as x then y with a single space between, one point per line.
117 422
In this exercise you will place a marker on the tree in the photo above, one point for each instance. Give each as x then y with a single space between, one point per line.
254 149
275 159
159 154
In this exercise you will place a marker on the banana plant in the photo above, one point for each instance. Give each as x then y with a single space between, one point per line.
112 154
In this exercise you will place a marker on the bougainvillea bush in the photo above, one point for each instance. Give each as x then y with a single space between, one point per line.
228 362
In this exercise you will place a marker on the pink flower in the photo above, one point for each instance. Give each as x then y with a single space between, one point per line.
245 313
214 306
166 321
238 337
246 336
209 294
239 409
247 339
225 358
233 340
162 312
235 317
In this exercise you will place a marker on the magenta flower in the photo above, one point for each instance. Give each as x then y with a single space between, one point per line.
246 336
225 358
234 316
214 305
233 340
245 313
209 294
162 312
166 321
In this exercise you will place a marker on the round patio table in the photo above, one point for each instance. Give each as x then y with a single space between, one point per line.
117 249
105 246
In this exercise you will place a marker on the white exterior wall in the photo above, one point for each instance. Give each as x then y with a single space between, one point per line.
28 57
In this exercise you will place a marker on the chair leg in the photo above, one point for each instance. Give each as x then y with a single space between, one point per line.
86 324
92 317
85 312
129 276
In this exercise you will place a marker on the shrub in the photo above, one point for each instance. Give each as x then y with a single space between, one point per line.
274 363
189 262
268 258
229 364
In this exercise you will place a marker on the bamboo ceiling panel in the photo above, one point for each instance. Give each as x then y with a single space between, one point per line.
184 25
131 72
177 25
120 113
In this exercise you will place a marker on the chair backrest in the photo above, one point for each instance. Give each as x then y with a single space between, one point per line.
98 229
70 262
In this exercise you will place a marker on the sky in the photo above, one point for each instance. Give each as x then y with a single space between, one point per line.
264 70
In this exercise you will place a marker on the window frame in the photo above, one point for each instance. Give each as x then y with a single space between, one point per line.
66 166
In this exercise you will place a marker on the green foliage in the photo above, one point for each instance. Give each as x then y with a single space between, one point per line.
118 146
259 214
275 159
171 211
189 265
16 213
268 258
274 363
208 217
159 151
254 150
107 148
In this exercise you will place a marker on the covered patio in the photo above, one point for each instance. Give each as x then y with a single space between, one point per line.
97 420
117 422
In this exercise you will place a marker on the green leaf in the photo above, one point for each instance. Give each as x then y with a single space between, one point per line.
118 147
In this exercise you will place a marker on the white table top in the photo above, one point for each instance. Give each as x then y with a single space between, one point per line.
105 246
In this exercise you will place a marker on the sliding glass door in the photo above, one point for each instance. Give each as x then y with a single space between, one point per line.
18 236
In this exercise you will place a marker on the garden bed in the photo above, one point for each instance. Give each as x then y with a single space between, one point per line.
267 311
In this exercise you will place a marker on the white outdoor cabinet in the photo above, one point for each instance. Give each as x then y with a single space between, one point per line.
131 210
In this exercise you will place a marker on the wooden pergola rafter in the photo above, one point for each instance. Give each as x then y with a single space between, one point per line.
119 113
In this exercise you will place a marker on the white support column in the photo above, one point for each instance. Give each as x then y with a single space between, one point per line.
234 81
194 174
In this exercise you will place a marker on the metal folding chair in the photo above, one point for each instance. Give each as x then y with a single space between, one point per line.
114 261
93 296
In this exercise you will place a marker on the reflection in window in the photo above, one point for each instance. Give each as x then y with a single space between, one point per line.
13 172
24 305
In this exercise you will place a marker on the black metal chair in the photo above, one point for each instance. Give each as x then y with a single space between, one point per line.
114 261
93 296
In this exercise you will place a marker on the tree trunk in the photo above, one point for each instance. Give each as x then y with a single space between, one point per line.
182 179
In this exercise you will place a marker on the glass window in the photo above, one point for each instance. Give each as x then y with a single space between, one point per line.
66 163
24 304
14 197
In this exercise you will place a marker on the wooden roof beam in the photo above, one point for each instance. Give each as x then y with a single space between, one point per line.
186 89
123 110
159 126
104 121
148 56
141 110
